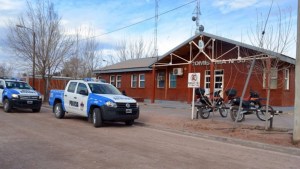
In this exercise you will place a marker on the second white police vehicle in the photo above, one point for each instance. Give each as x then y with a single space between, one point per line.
97 101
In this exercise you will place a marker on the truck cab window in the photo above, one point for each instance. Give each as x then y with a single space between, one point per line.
81 87
72 87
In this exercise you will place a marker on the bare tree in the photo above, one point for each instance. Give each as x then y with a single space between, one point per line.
85 57
72 67
133 49
6 70
91 56
275 36
52 45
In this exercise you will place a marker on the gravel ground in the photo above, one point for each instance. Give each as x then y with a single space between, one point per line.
177 116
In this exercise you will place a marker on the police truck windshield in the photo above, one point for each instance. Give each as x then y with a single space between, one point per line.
103 89
17 85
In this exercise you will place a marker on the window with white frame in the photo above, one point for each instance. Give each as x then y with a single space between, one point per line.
141 80
207 79
273 78
134 81
112 80
286 79
118 81
218 81
161 80
172 80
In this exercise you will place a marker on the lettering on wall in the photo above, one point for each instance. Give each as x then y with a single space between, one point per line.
206 63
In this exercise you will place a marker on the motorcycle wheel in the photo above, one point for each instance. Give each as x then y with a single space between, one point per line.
234 113
261 112
204 112
223 112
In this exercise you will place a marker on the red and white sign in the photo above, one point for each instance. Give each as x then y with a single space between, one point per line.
193 80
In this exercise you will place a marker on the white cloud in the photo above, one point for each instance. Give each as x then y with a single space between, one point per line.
10 5
227 6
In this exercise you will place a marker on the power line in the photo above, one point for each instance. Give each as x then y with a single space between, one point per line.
136 23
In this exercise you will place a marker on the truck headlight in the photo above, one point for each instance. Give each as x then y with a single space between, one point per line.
111 104
15 96
40 97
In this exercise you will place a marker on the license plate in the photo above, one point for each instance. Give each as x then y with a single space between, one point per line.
29 102
128 110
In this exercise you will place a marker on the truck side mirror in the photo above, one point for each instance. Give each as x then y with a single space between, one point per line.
83 92
1 87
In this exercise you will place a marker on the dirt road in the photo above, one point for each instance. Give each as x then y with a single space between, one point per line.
38 140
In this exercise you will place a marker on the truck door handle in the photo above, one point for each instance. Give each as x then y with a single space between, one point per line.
66 95
75 97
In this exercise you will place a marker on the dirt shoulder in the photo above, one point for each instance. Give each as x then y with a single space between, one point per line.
178 119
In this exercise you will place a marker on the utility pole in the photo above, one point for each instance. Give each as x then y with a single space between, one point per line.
296 131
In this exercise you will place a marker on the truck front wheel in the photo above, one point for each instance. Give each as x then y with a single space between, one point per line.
7 106
58 111
97 119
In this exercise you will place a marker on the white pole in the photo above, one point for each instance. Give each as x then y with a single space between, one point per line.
193 103
296 130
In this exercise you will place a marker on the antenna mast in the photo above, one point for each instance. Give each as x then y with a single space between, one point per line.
196 18
155 29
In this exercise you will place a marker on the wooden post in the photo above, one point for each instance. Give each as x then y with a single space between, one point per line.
153 84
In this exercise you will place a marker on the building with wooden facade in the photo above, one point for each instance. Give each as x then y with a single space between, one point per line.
165 77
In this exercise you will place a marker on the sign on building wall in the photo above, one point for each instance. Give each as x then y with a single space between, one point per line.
193 80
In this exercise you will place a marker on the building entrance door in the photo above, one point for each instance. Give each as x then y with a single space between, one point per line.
218 81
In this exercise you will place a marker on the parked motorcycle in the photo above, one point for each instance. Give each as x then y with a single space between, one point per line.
205 105
249 106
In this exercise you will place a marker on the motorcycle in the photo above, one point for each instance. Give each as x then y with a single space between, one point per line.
252 105
205 105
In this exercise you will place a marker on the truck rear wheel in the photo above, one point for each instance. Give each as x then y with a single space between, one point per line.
6 106
58 111
97 118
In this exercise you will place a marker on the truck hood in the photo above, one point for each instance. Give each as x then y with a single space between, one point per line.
24 92
118 98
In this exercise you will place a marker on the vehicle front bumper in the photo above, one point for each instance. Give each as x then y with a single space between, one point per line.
119 114
26 104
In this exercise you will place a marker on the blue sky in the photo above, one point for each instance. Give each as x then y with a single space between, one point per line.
228 18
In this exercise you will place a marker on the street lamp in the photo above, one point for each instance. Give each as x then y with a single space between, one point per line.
33 52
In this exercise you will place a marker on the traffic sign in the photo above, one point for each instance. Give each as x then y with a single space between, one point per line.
193 80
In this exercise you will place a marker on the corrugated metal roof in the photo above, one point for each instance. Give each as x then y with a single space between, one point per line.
140 64
268 52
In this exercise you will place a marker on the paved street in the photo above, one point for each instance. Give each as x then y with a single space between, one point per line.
38 140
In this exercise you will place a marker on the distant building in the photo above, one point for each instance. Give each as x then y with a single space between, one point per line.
165 78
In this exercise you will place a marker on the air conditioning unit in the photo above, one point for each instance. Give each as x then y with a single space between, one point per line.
177 71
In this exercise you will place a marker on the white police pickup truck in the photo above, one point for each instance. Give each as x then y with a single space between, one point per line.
18 94
97 101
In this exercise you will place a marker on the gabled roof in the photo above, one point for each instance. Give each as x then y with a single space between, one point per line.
133 65
268 52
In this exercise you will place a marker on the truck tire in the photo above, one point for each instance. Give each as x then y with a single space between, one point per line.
129 122
58 111
7 106
97 119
